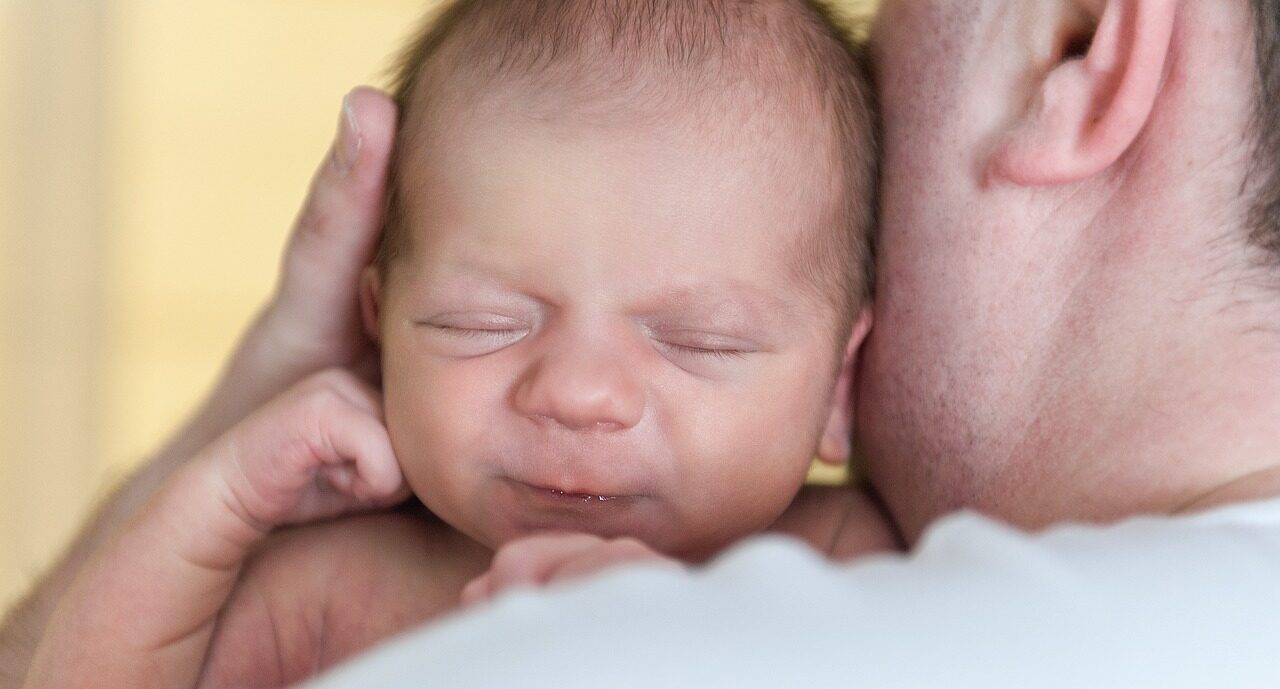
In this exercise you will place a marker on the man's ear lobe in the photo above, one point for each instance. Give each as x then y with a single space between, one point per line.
836 444
370 301
1089 110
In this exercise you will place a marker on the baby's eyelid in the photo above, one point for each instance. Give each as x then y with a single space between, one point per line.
473 321
703 341
719 353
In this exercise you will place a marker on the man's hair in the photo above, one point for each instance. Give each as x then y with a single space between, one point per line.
1265 214
796 53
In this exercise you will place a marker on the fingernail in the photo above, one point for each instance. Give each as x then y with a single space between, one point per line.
347 148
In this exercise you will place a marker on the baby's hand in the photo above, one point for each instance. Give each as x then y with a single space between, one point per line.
544 559
317 451
143 611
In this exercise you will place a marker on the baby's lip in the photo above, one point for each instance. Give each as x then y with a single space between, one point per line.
570 493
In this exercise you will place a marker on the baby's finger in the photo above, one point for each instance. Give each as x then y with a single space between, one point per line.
615 553
349 386
356 439
476 591
329 500
530 561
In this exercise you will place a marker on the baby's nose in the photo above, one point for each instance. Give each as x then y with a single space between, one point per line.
582 389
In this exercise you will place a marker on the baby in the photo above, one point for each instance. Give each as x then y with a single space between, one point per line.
622 282
625 250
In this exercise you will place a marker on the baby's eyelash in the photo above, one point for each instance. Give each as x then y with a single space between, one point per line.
470 333
724 354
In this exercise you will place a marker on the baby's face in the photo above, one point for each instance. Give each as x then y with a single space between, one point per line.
599 329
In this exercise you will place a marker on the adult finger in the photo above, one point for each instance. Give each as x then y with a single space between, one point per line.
337 231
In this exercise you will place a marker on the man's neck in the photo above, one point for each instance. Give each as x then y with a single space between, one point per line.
1170 366
1208 435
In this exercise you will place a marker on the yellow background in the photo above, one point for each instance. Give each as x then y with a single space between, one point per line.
155 154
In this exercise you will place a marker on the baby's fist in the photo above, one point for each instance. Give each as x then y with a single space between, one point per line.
317 451
556 557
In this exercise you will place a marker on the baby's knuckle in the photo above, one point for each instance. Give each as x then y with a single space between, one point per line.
518 560
629 545
334 378
322 402
511 557
347 386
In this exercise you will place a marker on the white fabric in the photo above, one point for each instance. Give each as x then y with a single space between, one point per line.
1153 602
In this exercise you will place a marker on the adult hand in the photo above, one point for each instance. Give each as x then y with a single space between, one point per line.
310 323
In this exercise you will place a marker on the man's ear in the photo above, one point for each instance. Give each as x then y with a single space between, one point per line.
1090 109
836 444
370 301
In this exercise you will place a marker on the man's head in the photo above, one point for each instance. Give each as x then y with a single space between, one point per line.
625 241
1075 296
1265 215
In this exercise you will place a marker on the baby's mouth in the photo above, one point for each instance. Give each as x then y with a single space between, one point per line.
533 507
565 497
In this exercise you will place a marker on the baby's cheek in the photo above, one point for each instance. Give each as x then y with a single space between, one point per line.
409 408
442 426
740 469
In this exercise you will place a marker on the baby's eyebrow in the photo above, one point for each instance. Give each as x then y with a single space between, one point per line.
737 303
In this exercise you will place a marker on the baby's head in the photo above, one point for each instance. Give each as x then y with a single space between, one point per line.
625 264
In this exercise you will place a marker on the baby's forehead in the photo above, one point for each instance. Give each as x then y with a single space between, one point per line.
708 172
715 156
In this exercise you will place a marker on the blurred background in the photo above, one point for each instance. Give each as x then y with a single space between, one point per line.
155 153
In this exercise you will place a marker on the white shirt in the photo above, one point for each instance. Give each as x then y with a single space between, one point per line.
1153 602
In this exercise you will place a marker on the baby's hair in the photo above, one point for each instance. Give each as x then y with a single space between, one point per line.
638 55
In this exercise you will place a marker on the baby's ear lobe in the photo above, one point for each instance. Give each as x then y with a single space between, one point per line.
835 446
370 304
1089 110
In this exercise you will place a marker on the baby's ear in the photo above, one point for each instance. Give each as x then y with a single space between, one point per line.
370 301
836 444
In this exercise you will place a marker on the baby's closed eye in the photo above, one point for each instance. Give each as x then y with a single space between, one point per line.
473 334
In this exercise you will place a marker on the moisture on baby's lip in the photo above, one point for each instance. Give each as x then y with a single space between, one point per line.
580 496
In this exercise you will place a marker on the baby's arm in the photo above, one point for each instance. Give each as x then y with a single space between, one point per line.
312 597
143 611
